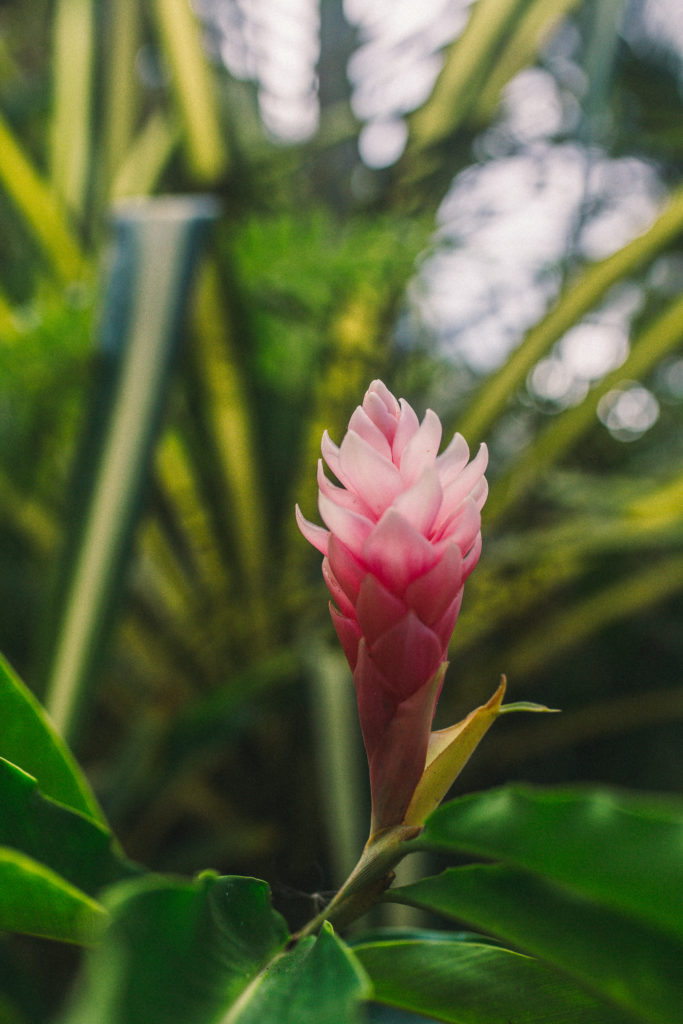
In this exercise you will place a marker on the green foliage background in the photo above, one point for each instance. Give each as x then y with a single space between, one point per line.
218 686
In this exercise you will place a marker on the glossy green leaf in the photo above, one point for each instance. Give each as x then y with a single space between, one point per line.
319 982
624 850
27 738
75 846
178 952
634 966
472 983
35 900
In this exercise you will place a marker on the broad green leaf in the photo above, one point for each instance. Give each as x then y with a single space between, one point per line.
34 900
624 850
319 982
177 952
472 983
27 738
75 846
632 965
210 951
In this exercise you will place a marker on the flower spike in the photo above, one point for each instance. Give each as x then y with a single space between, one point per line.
403 533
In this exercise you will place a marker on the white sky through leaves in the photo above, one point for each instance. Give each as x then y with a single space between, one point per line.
540 193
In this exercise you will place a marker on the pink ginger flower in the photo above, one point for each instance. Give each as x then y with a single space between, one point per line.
404 533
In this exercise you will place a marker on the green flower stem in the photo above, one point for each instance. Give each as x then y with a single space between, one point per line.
363 888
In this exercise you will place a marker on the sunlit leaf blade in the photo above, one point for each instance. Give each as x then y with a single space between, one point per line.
574 302
8 320
145 158
623 850
34 900
193 86
319 982
653 343
567 628
28 739
472 983
642 518
660 508
121 100
533 26
73 71
466 65
74 846
158 245
634 966
177 952
41 213
232 434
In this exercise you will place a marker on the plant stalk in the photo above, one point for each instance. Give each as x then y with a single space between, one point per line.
373 873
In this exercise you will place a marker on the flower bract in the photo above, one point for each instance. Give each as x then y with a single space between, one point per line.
403 533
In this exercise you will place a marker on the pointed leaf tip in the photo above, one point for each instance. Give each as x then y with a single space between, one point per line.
448 753
527 705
